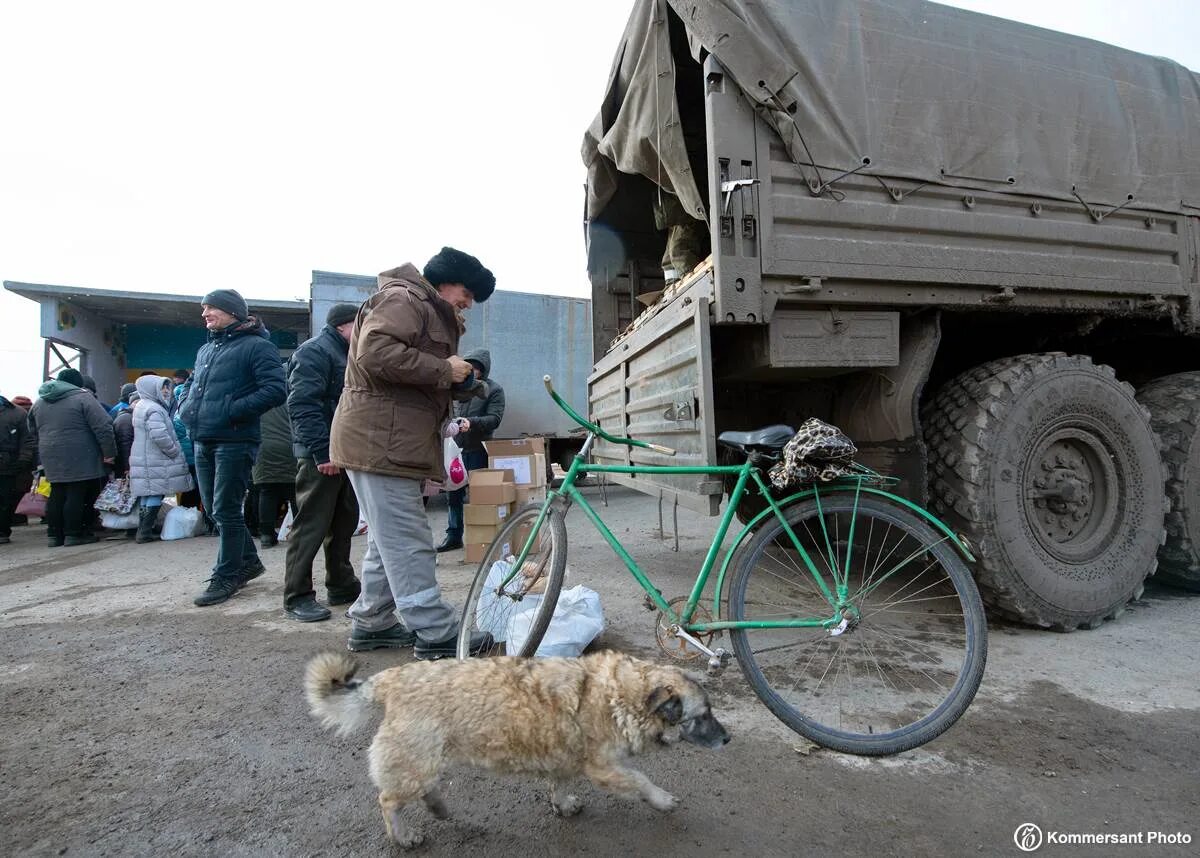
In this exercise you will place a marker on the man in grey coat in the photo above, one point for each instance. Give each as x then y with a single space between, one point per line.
75 441
328 510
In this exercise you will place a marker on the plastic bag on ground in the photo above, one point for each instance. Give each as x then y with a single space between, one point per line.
491 616
182 522
575 623
121 521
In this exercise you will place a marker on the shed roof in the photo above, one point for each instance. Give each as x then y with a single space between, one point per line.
157 308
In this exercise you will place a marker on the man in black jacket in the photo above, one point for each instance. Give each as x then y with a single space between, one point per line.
17 446
484 415
327 510
238 378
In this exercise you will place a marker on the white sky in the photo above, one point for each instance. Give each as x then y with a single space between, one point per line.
173 147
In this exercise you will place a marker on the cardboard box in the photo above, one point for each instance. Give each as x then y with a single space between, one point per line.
529 494
526 457
522 534
486 514
480 534
489 486
474 552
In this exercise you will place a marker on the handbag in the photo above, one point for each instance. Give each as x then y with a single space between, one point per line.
32 502
116 496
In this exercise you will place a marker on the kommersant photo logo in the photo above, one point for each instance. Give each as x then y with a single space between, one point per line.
1029 837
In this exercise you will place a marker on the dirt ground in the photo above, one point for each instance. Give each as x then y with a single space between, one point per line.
132 723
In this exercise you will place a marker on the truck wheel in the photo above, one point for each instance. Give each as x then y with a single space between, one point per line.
1174 404
1050 468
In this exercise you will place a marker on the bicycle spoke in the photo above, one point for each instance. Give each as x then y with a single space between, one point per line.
885 674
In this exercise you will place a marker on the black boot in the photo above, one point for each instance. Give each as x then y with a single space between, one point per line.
450 543
147 515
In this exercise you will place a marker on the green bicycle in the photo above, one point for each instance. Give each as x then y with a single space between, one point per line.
851 610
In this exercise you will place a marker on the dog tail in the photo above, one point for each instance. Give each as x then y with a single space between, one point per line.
335 697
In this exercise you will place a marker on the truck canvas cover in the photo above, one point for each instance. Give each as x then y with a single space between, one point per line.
913 90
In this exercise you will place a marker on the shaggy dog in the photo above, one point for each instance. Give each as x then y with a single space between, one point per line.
560 718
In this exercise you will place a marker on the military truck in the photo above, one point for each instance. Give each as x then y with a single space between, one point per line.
970 243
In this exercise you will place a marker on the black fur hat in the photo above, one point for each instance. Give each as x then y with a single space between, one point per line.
454 266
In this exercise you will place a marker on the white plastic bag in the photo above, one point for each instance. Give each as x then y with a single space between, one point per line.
456 471
490 614
182 522
575 623
285 527
118 521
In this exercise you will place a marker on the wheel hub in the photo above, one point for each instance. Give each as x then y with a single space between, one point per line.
1071 482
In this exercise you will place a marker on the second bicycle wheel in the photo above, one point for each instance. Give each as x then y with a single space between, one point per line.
911 657
521 608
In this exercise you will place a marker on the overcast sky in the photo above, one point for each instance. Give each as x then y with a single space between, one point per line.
172 147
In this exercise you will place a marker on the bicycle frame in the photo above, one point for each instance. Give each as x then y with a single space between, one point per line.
747 472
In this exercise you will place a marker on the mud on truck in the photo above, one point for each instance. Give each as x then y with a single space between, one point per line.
971 244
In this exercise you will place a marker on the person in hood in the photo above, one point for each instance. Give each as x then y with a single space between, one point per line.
387 434
157 466
327 510
127 390
483 416
16 462
123 429
75 441
238 378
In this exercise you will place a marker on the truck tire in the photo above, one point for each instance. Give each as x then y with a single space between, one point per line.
1051 470
1174 405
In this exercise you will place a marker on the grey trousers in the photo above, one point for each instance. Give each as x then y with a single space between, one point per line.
399 569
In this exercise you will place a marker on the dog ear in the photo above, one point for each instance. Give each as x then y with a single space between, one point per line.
664 702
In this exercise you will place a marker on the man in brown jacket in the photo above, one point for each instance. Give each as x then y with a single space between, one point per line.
387 435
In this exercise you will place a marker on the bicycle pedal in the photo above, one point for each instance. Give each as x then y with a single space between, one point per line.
719 661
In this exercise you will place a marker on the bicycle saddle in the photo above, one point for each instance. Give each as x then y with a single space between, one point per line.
769 438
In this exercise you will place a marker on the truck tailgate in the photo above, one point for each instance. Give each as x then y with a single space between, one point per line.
655 385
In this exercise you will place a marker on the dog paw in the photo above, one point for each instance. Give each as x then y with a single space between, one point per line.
568 805
408 839
662 800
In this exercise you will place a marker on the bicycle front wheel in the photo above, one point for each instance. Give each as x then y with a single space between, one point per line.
911 655
518 612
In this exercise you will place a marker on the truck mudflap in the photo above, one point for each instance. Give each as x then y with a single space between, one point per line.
655 385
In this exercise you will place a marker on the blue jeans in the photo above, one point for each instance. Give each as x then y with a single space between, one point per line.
473 460
223 474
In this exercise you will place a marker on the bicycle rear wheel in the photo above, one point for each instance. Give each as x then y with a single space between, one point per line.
912 656
524 605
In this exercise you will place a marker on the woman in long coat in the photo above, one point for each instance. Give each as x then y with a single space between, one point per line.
157 466
75 442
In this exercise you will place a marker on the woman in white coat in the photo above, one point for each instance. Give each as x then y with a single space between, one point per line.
157 465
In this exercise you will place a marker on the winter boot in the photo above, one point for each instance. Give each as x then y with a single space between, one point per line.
147 515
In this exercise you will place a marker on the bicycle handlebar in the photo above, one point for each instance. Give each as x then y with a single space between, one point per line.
592 427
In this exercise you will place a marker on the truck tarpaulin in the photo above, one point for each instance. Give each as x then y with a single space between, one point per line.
925 92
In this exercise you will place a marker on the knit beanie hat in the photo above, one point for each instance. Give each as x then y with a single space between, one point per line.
71 376
340 314
229 301
126 390
454 266
89 383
